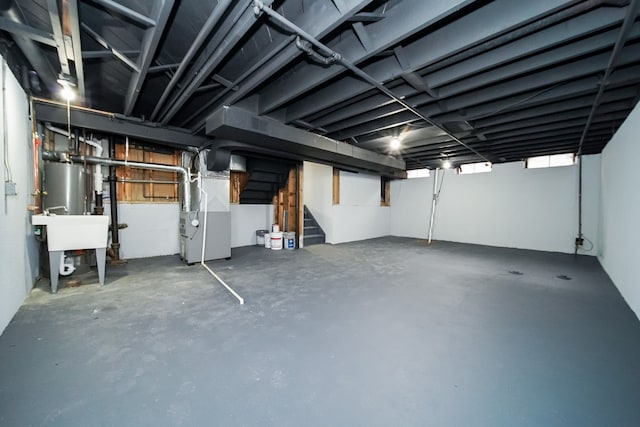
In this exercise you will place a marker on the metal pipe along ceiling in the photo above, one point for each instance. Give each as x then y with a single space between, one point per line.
260 7
629 19
184 172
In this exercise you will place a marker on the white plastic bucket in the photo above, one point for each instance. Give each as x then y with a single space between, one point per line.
267 241
289 240
276 241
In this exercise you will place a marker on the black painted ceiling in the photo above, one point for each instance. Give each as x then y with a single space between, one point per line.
509 79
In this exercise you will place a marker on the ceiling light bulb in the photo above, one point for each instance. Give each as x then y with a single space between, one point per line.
394 144
446 164
67 93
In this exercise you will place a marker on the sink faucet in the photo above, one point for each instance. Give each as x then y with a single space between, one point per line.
46 211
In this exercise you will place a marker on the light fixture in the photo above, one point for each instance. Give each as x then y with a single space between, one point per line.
446 164
394 144
68 83
67 93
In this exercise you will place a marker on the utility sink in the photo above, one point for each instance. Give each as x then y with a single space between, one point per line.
68 232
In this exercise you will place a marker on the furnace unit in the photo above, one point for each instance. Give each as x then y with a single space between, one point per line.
218 239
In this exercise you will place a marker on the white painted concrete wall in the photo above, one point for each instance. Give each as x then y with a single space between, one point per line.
510 207
359 215
317 191
152 229
18 248
620 210
245 220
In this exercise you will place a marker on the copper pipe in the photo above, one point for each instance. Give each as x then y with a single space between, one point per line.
35 140
74 107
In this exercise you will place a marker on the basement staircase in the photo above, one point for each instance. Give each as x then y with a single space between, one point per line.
264 180
313 233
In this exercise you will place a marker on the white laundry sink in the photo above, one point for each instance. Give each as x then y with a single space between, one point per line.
67 232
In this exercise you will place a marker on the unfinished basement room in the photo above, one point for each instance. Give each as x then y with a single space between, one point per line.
320 213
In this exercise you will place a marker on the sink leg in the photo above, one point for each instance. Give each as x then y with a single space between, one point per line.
54 265
101 258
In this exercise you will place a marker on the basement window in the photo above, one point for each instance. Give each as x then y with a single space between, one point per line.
470 168
336 186
385 191
418 173
550 161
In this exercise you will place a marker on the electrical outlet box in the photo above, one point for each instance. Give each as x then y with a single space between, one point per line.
10 188
579 241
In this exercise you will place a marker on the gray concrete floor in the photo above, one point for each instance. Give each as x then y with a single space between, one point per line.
385 332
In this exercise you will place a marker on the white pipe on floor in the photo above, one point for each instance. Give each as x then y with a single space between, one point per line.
204 245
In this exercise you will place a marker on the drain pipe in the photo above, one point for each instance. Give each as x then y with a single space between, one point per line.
332 56
204 246
434 202
35 147
113 202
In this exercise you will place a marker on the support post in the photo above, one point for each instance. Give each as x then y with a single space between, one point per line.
434 202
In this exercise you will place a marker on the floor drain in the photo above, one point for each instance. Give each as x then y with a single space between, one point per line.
563 277
516 272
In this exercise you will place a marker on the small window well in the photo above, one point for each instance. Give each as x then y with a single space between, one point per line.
551 161
418 173
474 168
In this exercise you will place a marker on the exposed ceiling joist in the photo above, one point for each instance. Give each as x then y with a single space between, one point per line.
126 12
26 31
319 20
204 33
503 78
115 52
31 51
464 33
161 11
224 43
160 68
100 54
400 22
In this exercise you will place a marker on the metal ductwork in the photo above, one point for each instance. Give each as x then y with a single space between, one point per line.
240 130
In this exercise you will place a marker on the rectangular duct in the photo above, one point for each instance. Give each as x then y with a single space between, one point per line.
263 133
